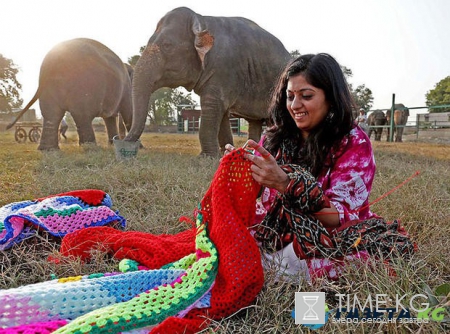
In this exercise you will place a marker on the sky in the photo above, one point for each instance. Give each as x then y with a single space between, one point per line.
399 47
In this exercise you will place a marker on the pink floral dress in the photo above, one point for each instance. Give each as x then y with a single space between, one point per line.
347 185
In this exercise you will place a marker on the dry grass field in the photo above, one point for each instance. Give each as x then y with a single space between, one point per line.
168 179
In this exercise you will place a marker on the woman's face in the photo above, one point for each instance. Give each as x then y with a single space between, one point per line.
306 104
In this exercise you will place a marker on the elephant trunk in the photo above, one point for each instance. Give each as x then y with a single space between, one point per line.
144 84
140 104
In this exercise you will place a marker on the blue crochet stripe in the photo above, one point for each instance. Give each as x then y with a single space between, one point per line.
71 299
147 318
70 200
191 288
18 205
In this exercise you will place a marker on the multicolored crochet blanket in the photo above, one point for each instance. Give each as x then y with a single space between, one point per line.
120 302
56 214
220 264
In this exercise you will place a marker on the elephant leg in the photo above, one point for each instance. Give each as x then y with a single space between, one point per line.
369 133
377 135
398 135
255 129
49 138
111 127
211 119
225 133
50 127
84 127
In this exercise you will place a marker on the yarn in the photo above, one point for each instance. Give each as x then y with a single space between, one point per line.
56 214
70 297
207 272
153 306
38 328
226 211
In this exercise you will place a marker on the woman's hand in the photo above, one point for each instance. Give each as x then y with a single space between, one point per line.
228 148
265 169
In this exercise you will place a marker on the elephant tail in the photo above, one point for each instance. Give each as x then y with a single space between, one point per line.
24 110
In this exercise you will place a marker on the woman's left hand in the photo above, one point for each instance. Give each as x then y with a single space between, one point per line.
265 169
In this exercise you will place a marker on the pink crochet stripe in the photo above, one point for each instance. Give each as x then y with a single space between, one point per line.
61 225
77 220
40 327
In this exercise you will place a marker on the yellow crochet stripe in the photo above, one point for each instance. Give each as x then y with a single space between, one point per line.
69 279
155 305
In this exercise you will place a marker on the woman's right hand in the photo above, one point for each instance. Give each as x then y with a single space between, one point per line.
265 169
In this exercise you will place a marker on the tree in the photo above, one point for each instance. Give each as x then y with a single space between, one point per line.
9 86
134 59
347 72
163 105
295 54
362 96
439 95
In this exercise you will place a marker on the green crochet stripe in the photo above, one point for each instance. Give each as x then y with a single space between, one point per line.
183 263
51 212
156 305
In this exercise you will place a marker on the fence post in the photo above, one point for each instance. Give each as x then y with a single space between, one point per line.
391 126
417 126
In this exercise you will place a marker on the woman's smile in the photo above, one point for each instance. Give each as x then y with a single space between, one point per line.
306 104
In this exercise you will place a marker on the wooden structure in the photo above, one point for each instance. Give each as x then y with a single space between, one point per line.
189 120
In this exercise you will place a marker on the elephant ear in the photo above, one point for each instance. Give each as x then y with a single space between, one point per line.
204 41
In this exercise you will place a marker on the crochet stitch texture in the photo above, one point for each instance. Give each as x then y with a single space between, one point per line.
219 257
227 209
56 214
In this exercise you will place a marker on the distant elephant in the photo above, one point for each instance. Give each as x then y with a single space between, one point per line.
87 79
401 114
230 62
376 118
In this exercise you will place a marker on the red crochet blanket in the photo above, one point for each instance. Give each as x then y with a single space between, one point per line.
228 209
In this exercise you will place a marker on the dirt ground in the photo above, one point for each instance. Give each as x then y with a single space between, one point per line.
440 136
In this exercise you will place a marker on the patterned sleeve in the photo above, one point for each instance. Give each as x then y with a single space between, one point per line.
303 193
349 182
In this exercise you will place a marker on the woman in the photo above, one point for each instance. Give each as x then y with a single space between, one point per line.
316 168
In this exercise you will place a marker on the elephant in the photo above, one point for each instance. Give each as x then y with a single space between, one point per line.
401 114
87 79
376 118
230 62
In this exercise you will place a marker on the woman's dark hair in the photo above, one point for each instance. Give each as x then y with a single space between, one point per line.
324 72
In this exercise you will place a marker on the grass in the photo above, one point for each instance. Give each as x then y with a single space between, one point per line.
168 179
